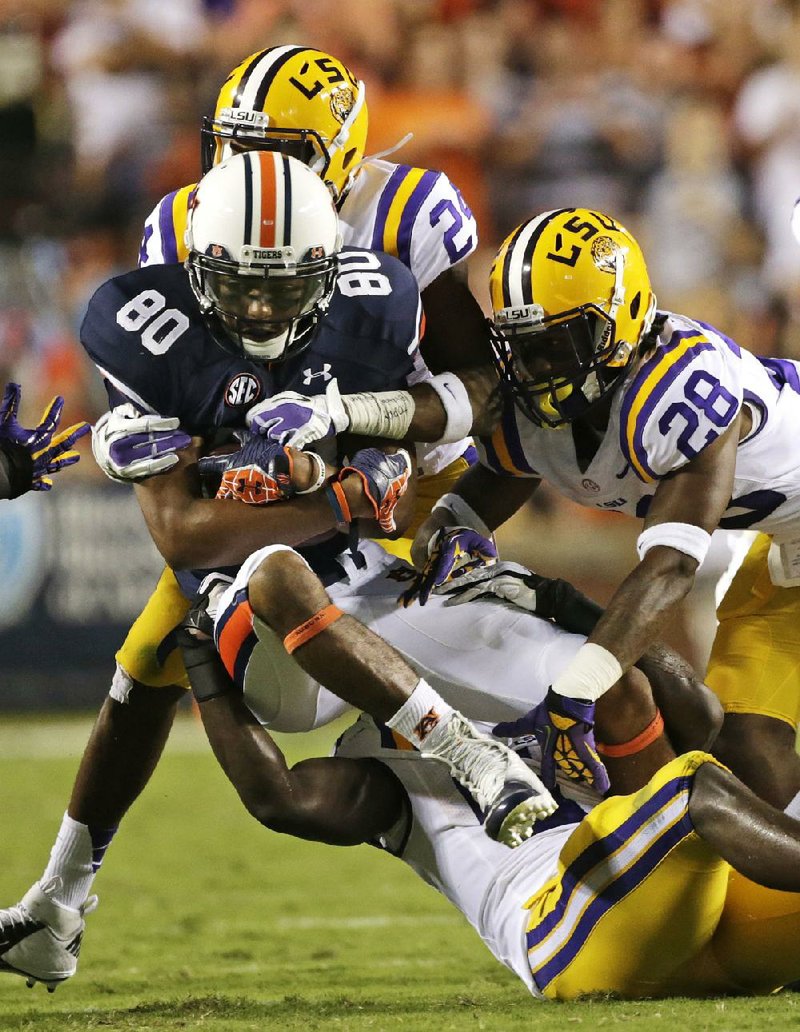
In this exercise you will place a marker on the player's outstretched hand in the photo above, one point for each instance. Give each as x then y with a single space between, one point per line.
36 453
564 729
297 419
260 472
453 552
385 479
129 445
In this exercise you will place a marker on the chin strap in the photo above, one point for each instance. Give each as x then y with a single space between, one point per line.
373 157
618 296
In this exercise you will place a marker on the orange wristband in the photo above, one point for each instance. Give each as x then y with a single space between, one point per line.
338 502
653 731
311 627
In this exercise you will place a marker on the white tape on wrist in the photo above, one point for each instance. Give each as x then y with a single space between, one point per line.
463 513
590 674
385 414
684 537
458 409
320 477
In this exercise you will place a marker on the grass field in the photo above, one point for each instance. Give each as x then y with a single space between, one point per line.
207 921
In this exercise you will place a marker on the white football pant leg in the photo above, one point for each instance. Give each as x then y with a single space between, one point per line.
489 659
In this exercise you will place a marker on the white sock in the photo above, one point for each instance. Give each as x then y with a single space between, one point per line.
422 711
793 809
74 860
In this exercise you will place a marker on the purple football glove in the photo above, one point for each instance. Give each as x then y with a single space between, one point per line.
297 419
385 478
131 446
258 473
564 729
38 452
452 552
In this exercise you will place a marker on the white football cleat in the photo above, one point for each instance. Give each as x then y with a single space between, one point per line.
508 793
41 939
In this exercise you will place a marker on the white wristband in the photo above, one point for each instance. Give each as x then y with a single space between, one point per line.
457 406
684 537
385 414
590 674
320 462
463 513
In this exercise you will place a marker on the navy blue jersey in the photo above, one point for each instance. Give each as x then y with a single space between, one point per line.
144 332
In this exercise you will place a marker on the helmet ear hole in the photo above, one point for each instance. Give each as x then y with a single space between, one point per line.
636 304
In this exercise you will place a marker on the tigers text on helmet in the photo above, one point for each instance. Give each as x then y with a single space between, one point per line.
572 302
296 100
263 237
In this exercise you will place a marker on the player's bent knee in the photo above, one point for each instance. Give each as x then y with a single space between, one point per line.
712 794
284 591
761 752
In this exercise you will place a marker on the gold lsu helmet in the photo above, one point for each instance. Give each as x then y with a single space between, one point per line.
572 303
297 100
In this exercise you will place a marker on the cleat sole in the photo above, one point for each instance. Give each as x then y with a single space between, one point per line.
519 823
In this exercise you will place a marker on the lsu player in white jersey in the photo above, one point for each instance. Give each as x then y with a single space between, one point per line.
694 874
627 409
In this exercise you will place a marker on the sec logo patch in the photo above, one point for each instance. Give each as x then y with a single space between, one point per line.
242 390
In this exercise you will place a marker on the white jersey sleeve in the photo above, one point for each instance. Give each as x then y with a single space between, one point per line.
421 217
681 399
165 227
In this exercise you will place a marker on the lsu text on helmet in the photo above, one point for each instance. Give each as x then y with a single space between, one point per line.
572 303
300 101
263 237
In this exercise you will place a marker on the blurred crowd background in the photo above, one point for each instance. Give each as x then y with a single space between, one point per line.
679 117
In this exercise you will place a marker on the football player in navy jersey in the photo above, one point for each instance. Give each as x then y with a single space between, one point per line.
266 302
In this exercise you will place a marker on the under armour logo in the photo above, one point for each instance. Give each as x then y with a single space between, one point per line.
325 373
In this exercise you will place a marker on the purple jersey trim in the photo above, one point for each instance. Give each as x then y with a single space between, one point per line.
418 196
732 345
385 203
662 385
166 226
620 887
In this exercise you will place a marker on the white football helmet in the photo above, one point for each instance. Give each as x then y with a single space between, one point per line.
263 237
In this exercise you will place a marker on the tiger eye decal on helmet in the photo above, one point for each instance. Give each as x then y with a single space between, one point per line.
572 303
297 100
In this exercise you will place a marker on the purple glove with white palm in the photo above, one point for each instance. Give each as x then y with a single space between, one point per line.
129 445
564 729
36 453
298 419
452 552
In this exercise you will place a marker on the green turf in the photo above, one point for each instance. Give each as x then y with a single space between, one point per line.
209 922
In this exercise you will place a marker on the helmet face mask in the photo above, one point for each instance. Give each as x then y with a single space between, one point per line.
264 315
297 100
557 359
263 240
227 135
557 369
